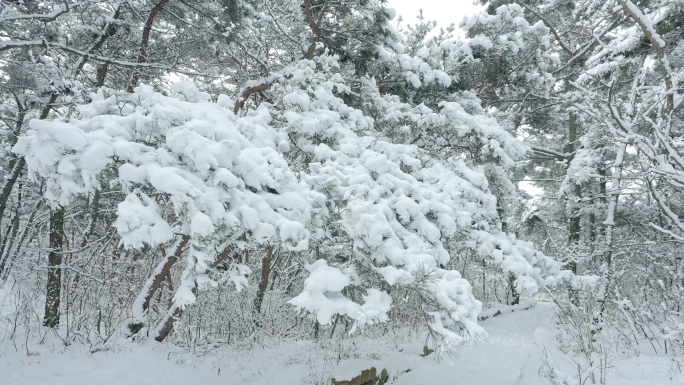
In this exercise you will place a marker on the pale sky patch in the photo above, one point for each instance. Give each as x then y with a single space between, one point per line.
441 11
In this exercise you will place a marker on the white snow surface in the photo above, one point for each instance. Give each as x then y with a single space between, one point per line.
511 355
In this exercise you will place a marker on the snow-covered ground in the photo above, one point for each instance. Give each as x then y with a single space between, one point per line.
511 355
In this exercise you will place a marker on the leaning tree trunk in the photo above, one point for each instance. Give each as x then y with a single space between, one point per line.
265 274
54 283
175 312
142 56
154 282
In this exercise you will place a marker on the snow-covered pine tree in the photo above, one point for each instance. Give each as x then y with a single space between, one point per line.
614 70
193 183
398 204
352 171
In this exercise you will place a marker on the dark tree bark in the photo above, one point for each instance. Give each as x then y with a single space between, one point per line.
155 281
174 315
175 312
54 283
573 224
142 55
265 274
573 217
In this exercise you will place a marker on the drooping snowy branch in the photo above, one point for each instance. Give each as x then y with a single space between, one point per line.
186 168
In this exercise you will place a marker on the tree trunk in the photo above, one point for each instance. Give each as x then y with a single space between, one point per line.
54 282
142 55
18 164
515 296
610 226
573 215
8 261
573 224
265 273
93 218
175 312
154 282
